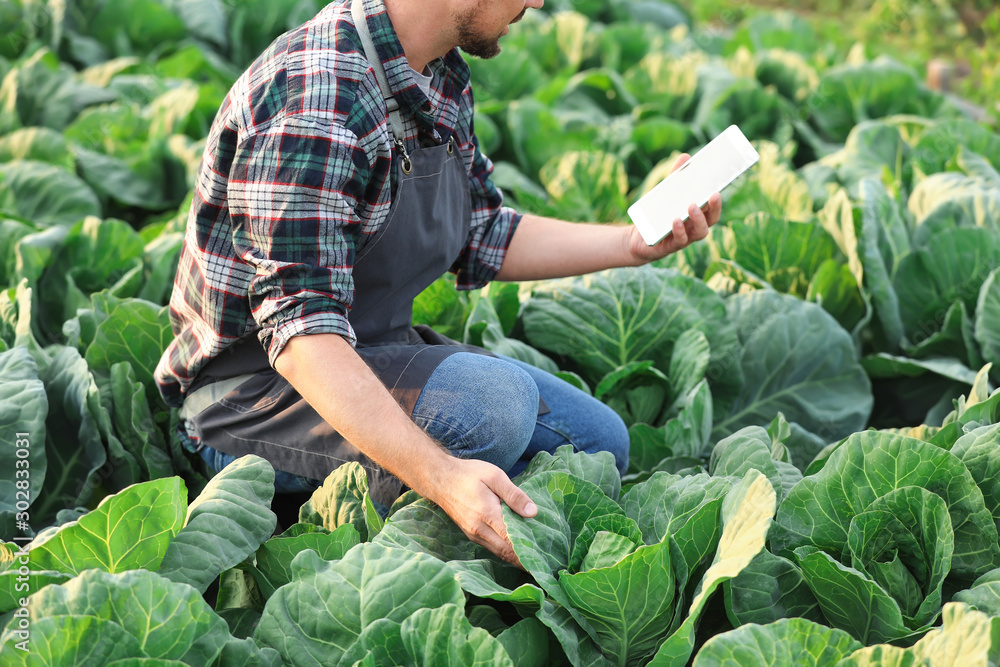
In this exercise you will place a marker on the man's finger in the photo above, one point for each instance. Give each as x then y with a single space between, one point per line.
714 209
498 544
684 157
680 234
514 497
698 228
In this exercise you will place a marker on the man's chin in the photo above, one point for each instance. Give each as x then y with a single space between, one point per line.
481 48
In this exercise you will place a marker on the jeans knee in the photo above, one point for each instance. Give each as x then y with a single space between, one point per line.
479 407
513 417
618 442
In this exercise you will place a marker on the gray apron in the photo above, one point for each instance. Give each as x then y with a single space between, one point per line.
427 230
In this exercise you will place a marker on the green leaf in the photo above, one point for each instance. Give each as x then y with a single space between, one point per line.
339 500
683 438
964 639
988 318
792 641
868 465
424 527
227 522
781 30
23 408
953 269
801 446
598 468
444 636
46 194
984 594
874 150
949 201
442 307
544 543
941 143
71 640
764 246
274 557
880 240
136 331
527 643
666 82
605 320
954 339
373 521
538 135
849 93
169 620
586 186
372 584
161 258
628 621
979 450
664 503
636 391
789 72
850 600
796 360
834 287
484 328
38 144
604 541
977 166
511 75
134 423
770 191
245 653
14 584
770 588
74 444
481 577
43 92
127 531
242 622
746 516
883 366
750 448
688 365
905 542
121 179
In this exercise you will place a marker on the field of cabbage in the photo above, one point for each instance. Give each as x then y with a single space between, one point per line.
815 462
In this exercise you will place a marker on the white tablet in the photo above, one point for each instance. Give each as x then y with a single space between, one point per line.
719 163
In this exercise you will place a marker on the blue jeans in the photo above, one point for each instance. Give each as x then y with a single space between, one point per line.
487 408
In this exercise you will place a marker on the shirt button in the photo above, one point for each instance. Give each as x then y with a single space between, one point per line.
426 106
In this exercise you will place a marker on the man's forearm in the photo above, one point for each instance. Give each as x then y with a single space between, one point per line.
338 384
330 375
546 248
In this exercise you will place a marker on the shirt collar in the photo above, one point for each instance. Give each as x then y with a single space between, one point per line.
411 99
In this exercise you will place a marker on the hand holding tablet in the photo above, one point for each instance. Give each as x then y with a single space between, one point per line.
710 170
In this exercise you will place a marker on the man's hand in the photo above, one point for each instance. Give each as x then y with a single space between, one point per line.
346 393
683 234
471 493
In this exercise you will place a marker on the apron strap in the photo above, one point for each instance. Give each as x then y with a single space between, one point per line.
391 105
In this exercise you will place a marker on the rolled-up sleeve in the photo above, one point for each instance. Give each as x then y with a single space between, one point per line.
492 227
292 194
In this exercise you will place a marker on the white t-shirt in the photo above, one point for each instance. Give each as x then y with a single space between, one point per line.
423 80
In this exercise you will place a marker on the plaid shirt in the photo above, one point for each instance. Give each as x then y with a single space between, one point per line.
297 177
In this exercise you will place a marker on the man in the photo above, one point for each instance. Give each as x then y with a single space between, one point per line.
342 176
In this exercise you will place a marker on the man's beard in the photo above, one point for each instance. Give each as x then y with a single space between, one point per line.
477 44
